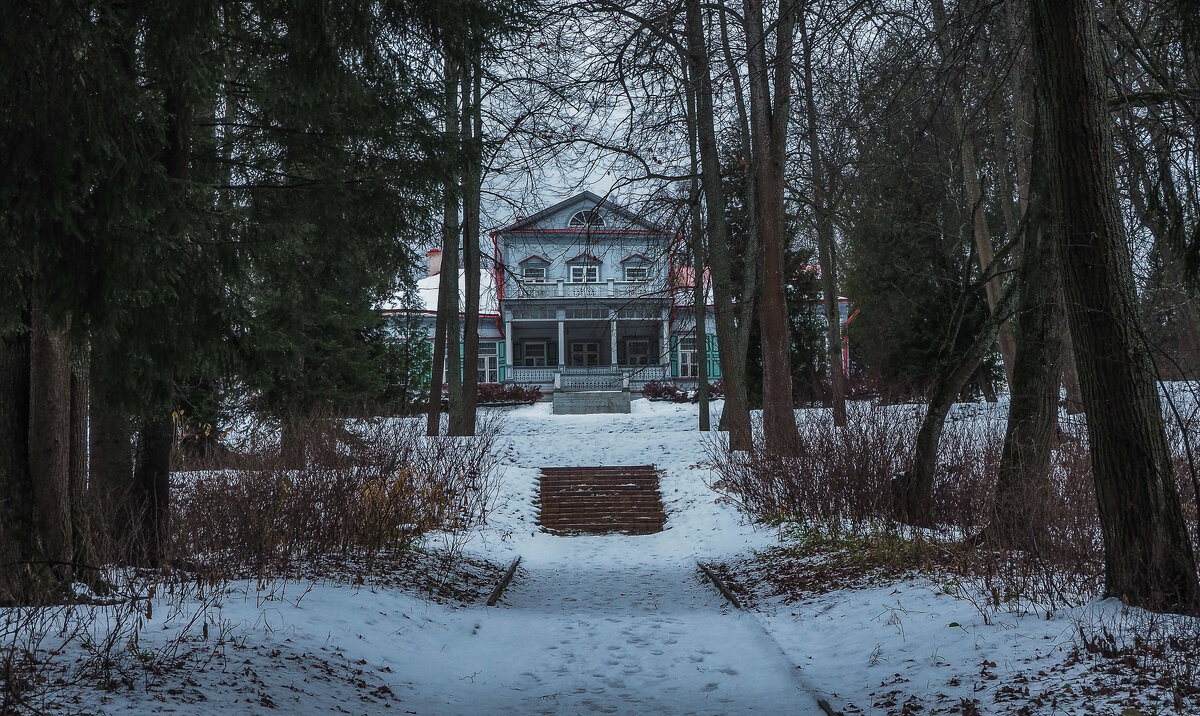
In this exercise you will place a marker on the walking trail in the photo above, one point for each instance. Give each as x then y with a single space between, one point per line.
616 623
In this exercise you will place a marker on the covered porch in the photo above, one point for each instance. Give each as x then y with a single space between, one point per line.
603 344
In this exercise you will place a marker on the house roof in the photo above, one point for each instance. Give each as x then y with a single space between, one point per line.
535 257
586 200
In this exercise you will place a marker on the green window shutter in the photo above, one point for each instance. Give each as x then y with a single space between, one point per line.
518 353
621 352
674 356
714 358
501 372
551 354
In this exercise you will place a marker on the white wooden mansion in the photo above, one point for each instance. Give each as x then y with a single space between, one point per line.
582 295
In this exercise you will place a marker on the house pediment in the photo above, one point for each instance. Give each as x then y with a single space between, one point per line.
584 213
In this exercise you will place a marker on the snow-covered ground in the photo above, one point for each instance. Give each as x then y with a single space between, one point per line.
611 624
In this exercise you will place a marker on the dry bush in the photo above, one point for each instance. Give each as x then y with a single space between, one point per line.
366 489
841 484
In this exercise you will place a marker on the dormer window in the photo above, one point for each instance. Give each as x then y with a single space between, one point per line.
585 273
586 218
637 273
534 274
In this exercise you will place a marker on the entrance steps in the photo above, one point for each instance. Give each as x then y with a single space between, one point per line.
601 500
591 401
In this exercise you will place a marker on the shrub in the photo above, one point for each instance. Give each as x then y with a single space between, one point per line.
655 390
508 394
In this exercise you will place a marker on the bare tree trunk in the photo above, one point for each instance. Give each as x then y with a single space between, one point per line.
19 543
77 479
149 501
1148 557
1023 489
50 433
974 193
446 335
736 413
448 286
462 415
697 239
913 489
769 108
826 247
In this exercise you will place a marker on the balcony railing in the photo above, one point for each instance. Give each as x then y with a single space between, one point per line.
639 375
611 288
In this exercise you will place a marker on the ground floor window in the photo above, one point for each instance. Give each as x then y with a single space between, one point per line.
535 354
489 363
637 352
688 367
585 353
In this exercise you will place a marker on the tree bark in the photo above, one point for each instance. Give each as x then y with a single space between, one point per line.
769 108
974 192
697 240
826 247
149 500
50 433
462 415
448 286
913 489
736 414
1023 490
1148 557
19 542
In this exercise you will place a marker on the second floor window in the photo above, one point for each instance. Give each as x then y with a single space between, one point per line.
585 274
637 273
534 275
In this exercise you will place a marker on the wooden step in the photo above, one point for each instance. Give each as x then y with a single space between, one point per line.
601 500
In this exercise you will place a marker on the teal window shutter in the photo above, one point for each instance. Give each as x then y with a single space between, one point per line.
518 353
551 354
501 372
674 356
621 352
714 358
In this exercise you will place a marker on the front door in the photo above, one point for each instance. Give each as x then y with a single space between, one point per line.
585 353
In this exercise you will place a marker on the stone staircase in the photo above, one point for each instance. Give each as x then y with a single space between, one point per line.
601 500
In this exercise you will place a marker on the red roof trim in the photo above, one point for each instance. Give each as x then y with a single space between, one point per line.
631 257
532 258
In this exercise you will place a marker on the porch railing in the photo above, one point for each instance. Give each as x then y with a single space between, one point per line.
639 375
611 288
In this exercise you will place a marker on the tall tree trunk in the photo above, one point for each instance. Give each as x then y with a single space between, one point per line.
913 488
736 414
974 191
1148 558
769 108
448 286
77 478
110 464
50 434
1023 489
149 500
751 256
445 335
462 416
20 546
826 248
697 246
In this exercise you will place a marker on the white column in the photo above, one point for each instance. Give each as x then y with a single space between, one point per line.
508 350
562 344
612 321
664 349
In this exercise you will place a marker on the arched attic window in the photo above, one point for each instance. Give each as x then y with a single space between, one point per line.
585 218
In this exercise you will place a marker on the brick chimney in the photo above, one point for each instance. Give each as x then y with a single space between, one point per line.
434 257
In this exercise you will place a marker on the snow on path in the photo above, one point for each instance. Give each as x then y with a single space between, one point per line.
593 624
624 624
